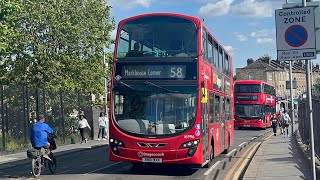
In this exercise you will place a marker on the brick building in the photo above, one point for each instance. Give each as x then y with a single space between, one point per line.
277 73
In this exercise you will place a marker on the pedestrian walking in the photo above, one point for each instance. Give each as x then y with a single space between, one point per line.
82 124
102 126
274 124
279 116
285 123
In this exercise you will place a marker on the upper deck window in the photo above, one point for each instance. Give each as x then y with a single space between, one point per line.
247 88
158 36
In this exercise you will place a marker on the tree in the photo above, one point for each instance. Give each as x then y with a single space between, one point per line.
8 10
60 44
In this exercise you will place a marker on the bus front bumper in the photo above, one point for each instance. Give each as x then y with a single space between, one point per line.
156 156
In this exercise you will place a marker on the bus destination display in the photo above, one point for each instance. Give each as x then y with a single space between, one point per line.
154 71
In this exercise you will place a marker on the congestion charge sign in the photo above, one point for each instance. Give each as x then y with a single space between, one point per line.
295 34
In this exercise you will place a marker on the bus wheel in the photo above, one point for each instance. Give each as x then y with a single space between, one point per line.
211 156
226 151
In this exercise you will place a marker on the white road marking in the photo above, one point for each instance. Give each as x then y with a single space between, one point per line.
110 165
65 171
86 164
211 168
233 150
242 144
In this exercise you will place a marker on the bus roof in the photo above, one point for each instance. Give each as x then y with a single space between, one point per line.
196 20
251 82
192 18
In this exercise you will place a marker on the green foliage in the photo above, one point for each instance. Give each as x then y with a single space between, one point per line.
59 45
13 144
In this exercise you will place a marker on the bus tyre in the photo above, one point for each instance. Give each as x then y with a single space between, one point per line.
226 151
211 156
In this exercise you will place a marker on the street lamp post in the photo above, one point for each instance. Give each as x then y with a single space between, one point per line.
39 78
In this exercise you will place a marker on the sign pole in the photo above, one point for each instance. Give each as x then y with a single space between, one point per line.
311 119
291 97
307 62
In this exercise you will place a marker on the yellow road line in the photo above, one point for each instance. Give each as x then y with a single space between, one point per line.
268 137
246 160
232 170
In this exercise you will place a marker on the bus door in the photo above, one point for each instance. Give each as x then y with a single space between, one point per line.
204 128
223 119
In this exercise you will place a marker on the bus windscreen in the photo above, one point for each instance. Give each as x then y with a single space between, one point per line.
153 113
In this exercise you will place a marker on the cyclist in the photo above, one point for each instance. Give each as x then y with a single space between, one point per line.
39 135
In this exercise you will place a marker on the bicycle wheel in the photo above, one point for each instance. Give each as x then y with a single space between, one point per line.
52 164
36 167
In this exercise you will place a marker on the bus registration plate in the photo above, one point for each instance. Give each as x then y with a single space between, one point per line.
152 160
246 125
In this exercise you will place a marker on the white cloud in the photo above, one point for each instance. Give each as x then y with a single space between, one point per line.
254 9
264 40
219 8
241 37
125 4
113 34
229 49
261 33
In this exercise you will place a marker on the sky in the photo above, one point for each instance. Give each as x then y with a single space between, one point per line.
246 28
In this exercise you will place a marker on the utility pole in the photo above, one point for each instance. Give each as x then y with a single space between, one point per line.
291 97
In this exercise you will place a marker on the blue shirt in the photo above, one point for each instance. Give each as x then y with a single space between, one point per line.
39 134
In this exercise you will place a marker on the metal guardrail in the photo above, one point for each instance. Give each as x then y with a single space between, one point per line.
304 123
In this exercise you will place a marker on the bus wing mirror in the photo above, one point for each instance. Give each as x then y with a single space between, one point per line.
204 95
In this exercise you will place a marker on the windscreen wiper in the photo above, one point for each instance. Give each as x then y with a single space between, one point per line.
157 86
127 85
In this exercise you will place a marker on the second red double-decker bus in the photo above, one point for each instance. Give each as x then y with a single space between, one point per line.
255 101
171 93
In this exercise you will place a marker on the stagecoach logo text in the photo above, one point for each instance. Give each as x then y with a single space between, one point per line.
143 154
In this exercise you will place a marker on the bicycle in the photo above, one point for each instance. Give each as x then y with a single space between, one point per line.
39 163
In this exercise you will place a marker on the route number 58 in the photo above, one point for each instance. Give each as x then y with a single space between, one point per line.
176 72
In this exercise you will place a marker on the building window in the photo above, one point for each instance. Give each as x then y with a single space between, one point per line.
252 76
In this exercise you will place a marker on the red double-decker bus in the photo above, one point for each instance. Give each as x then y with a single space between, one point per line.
171 93
255 101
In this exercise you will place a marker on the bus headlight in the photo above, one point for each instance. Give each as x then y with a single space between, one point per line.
192 147
193 143
114 144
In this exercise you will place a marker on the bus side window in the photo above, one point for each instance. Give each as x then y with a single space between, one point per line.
217 108
211 108
228 116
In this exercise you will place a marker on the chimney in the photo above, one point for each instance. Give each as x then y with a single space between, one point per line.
266 60
250 61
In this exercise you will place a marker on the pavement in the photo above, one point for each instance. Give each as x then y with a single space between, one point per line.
17 159
278 158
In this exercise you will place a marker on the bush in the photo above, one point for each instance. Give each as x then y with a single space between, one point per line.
16 144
